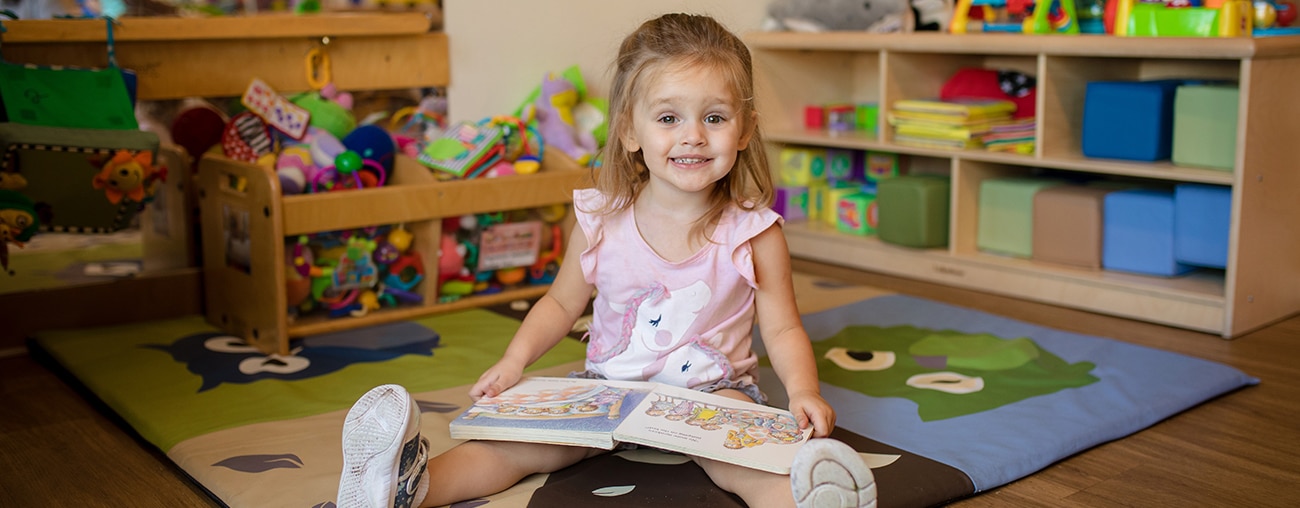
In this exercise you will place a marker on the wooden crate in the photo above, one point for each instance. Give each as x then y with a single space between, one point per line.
248 299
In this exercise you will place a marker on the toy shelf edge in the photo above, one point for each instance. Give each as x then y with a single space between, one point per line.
263 26
1008 44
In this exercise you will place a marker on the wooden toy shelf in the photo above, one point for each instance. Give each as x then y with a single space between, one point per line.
252 302
1258 286
217 57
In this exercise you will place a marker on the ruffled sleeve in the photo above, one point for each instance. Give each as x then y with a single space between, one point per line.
585 203
746 224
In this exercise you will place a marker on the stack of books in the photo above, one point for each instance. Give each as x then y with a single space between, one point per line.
961 124
1016 136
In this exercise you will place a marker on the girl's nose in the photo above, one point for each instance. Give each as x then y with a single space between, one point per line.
693 134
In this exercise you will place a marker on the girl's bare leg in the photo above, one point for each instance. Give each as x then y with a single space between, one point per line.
474 469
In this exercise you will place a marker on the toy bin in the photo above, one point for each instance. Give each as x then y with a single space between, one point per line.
1138 235
1129 119
1068 225
913 210
1205 126
1202 217
248 225
1006 214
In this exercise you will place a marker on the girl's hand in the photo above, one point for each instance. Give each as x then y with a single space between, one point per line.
498 378
810 408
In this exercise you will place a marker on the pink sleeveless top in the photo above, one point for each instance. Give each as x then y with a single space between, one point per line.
687 323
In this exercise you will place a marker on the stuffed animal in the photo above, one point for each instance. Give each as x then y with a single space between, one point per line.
877 16
553 110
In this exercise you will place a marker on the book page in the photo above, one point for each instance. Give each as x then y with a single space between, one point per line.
717 427
580 412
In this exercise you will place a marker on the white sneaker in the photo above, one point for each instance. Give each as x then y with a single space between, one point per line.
829 474
384 456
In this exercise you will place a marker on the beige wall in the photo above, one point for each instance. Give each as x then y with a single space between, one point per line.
500 49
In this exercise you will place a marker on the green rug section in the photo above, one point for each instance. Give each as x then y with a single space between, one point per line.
58 268
159 397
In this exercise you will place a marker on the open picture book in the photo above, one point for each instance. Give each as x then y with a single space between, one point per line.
601 414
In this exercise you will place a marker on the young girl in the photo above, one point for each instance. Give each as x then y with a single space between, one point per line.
676 238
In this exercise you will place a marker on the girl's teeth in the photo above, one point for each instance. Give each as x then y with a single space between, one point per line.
689 161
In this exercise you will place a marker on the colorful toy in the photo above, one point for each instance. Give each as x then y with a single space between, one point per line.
881 165
843 164
840 117
346 173
800 166
867 117
547 265
791 202
1139 19
372 143
830 199
814 117
246 138
857 214
553 111
129 175
18 222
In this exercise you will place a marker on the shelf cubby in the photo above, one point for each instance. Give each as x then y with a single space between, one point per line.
1252 291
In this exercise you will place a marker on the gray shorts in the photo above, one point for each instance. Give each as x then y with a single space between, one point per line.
748 388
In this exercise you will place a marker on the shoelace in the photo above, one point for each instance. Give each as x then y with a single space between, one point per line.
412 480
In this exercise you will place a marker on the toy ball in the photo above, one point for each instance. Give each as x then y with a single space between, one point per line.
1286 13
347 162
400 238
324 147
292 180
373 143
527 165
1265 14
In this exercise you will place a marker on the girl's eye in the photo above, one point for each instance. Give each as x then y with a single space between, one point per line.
714 119
668 119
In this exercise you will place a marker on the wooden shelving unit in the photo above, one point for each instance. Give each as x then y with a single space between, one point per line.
252 303
217 57
1257 288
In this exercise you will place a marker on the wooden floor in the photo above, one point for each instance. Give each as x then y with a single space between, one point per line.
1242 449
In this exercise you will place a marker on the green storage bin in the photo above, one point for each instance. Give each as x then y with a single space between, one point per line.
913 210
1006 215
1205 126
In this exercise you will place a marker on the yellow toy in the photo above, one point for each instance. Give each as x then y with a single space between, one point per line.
129 175
1219 18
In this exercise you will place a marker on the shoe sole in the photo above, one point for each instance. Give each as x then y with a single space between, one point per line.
374 450
830 474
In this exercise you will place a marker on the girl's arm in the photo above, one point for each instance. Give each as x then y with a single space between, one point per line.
549 321
787 344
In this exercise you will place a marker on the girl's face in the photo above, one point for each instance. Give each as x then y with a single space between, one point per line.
688 125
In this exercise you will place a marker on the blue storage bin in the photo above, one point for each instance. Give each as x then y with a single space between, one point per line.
1202 217
1139 233
1129 119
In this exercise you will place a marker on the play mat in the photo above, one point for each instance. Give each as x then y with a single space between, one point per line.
944 402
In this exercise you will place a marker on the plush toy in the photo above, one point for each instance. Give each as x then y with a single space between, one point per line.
129 175
877 16
553 111
874 16
18 222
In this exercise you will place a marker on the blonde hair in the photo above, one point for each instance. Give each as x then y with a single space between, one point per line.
681 40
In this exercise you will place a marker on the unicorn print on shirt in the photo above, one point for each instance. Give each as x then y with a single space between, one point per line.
654 344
